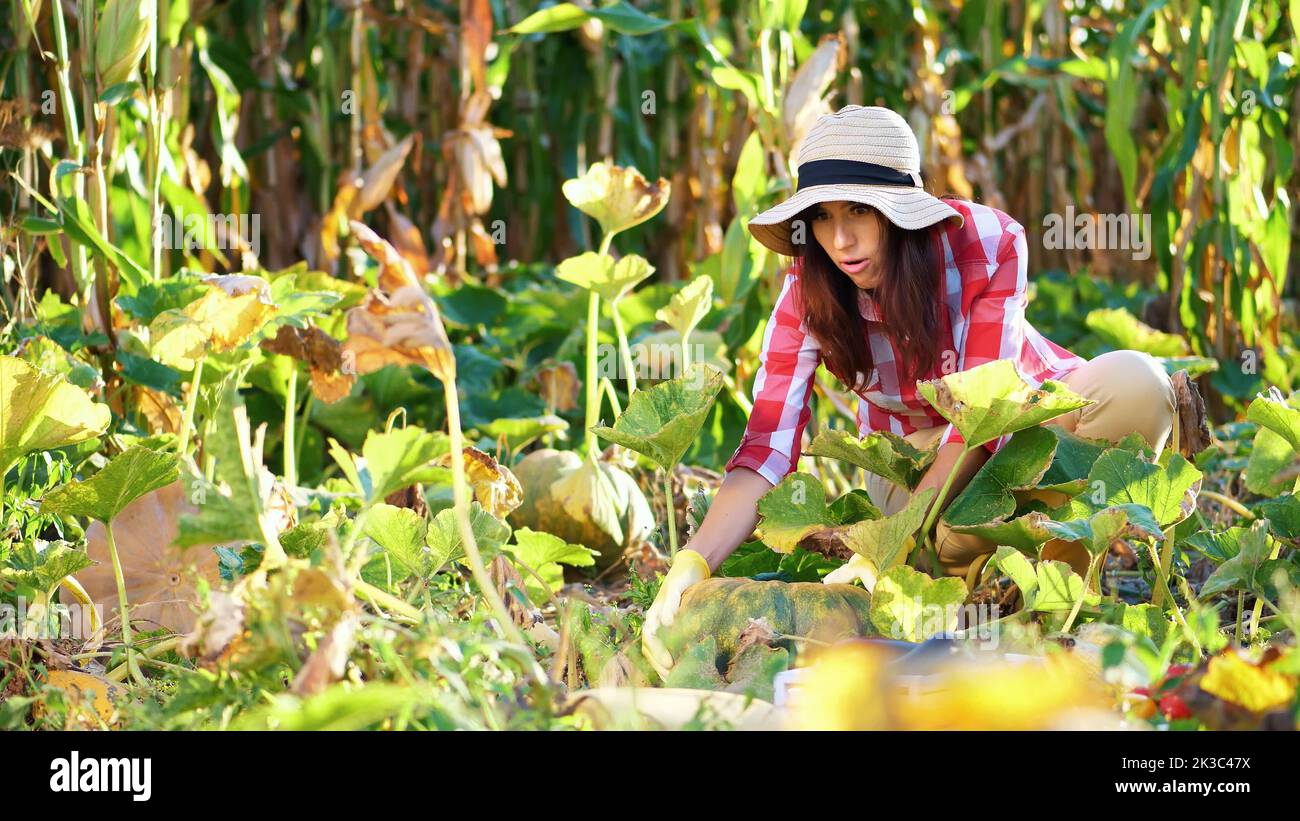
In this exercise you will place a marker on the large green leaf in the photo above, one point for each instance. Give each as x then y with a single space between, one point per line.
662 422
992 400
600 273
1101 529
1283 516
445 543
544 553
1121 477
688 306
1123 331
908 605
1271 458
401 533
126 478
1272 412
791 511
1025 533
1073 459
42 411
43 568
1242 571
886 542
1018 466
393 460
885 454
1045 587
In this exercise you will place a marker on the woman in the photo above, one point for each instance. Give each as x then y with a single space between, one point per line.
891 285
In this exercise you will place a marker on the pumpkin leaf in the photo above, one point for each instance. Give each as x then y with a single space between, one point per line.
662 422
1121 477
393 460
600 273
1056 588
589 494
1280 416
886 542
401 533
1074 458
127 477
176 340
791 511
688 306
1018 466
233 309
992 400
444 541
1242 570
1283 516
853 506
1100 530
618 198
1270 456
883 453
545 553
1045 587
908 605
1025 533
1122 331
43 567
42 411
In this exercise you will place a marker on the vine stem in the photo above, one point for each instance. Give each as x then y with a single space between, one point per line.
1087 582
672 515
191 400
119 672
932 515
131 664
592 383
290 417
623 348
1229 503
1178 611
460 495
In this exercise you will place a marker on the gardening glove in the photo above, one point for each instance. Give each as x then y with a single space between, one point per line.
688 568
859 567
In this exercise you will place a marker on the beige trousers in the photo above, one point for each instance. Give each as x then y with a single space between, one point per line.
1131 392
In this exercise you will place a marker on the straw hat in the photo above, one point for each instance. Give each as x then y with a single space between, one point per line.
864 154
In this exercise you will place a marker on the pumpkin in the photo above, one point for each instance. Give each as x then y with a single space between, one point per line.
721 609
559 513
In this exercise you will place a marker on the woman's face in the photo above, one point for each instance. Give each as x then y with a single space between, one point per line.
852 234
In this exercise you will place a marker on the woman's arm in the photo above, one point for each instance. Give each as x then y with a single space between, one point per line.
731 516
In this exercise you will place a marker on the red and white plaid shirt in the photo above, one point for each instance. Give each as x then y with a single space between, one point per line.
985 265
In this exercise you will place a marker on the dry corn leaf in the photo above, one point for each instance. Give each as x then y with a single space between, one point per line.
377 181
408 242
803 102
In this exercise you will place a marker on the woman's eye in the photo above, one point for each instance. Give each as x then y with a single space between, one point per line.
860 209
819 215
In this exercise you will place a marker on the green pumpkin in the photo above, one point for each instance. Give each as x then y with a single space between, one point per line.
540 470
720 608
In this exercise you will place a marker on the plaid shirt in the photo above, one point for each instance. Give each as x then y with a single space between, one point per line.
984 288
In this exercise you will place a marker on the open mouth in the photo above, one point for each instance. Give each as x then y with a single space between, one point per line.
854 266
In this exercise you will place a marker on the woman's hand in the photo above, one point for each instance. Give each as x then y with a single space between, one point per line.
688 568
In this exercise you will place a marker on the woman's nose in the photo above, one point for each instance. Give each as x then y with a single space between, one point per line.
844 238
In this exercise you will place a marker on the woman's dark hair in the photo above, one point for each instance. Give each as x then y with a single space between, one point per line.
908 298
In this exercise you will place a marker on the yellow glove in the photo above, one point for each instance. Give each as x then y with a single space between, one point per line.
859 567
688 568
